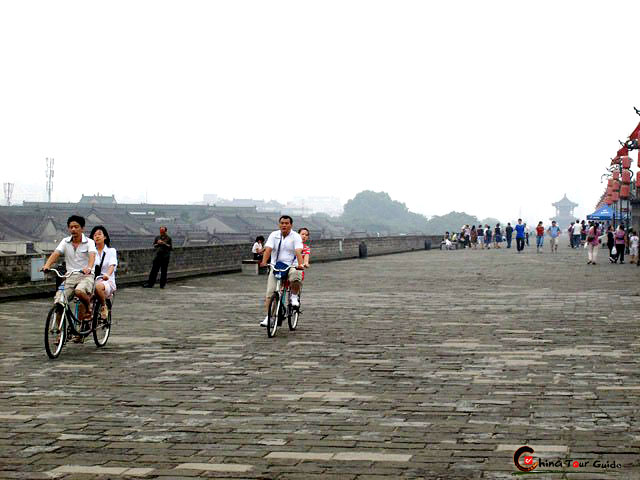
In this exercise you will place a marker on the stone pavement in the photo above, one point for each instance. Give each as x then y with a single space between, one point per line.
421 365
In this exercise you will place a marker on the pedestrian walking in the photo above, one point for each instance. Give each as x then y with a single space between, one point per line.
481 236
526 234
570 232
509 233
577 234
497 238
610 242
554 232
163 246
583 231
593 240
619 238
634 241
520 234
474 237
539 237
487 236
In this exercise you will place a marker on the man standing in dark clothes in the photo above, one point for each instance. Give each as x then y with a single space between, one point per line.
163 245
509 232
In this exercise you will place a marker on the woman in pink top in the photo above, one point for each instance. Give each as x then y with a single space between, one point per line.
619 238
593 241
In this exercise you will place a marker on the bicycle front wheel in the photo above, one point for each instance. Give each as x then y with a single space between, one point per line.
54 331
101 327
272 314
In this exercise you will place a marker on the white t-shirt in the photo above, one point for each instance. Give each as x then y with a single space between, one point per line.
110 258
577 229
76 258
634 241
288 247
255 248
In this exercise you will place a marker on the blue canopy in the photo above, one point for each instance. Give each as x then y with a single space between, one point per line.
603 213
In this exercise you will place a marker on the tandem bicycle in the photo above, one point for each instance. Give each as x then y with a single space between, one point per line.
63 320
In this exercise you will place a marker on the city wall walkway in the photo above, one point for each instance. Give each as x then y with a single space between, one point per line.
420 365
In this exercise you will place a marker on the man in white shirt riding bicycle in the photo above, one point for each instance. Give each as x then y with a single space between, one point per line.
79 256
286 246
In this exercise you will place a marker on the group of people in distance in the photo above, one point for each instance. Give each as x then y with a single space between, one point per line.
484 236
581 233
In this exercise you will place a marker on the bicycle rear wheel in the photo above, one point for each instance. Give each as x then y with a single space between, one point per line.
272 314
101 327
55 331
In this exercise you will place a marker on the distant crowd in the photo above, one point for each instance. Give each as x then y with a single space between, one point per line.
588 235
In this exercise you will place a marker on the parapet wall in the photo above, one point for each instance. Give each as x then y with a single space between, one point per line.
134 265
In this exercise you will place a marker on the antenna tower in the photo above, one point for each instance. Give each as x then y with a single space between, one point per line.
8 191
49 173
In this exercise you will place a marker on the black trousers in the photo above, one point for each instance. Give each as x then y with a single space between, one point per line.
520 244
619 253
508 241
161 264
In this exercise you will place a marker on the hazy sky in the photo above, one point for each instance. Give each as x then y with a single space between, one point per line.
491 107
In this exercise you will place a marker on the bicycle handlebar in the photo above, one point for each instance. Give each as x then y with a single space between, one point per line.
285 269
60 275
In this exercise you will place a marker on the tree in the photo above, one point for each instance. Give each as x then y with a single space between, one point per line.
451 222
377 212
492 222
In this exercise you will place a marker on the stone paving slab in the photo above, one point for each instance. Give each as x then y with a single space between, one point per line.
419 365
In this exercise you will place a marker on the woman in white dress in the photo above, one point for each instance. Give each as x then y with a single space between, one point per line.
107 262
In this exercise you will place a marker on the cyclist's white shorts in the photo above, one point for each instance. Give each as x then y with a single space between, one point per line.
294 275
109 287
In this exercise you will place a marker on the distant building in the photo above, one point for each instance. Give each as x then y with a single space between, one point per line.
329 205
564 212
97 200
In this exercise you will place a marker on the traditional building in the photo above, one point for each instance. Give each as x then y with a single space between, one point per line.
97 200
564 212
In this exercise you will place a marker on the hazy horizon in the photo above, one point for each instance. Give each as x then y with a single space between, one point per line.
494 108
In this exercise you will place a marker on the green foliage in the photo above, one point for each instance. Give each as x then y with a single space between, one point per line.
491 221
376 212
451 222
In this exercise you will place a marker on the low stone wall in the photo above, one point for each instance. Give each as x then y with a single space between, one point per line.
15 269
134 265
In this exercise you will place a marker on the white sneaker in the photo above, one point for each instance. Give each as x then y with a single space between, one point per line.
264 322
295 301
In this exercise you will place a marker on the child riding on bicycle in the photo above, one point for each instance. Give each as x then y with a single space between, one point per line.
306 251
79 254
